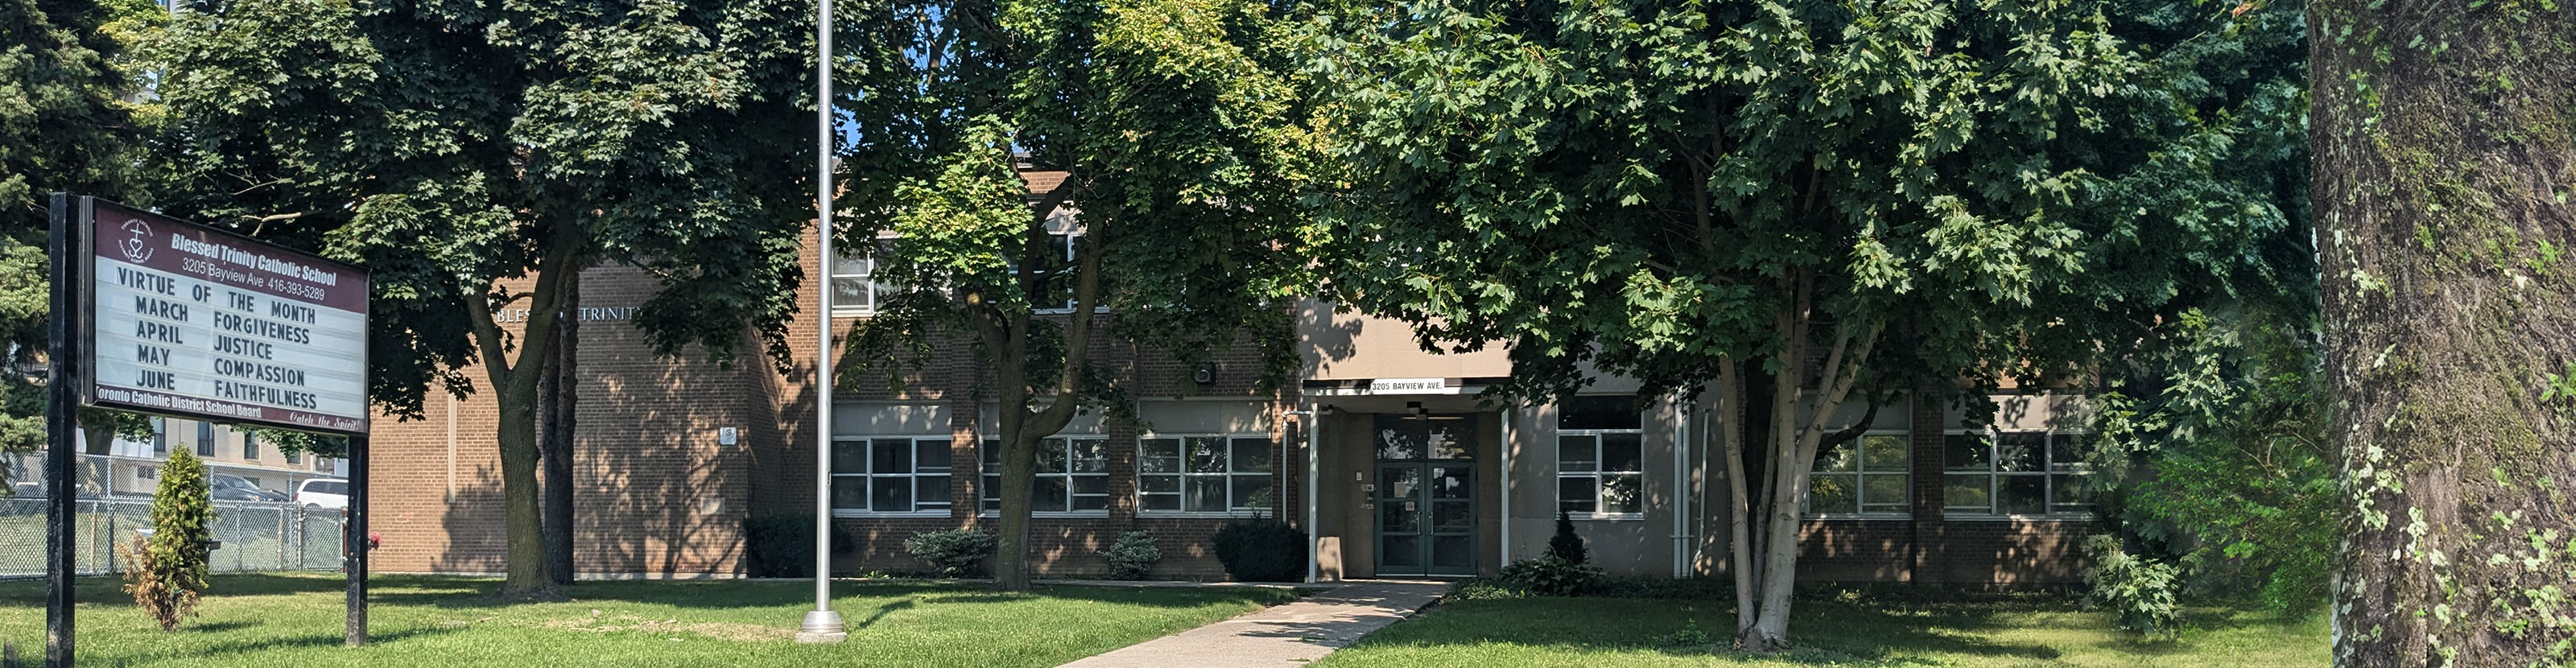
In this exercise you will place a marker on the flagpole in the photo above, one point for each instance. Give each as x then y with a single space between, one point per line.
823 624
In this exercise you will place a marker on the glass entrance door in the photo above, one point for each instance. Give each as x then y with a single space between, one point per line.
1426 518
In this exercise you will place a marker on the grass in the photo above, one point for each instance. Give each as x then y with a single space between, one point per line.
1974 631
296 620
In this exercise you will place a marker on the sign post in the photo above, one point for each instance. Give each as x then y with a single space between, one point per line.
158 315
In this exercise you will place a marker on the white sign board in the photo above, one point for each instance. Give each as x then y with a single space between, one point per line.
1411 386
191 321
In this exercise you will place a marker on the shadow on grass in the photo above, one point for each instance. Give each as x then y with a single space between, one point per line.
1825 631
302 641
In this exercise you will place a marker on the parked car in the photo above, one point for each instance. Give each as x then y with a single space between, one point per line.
323 493
229 487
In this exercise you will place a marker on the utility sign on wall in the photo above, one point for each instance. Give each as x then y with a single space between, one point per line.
191 321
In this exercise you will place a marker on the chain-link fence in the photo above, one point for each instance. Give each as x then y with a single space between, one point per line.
252 535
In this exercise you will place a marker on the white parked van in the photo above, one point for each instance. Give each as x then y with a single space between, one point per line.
323 493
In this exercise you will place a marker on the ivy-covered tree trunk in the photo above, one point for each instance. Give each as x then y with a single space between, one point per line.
2445 163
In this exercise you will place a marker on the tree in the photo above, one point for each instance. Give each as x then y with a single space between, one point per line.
473 157
167 571
1180 132
70 130
2445 140
1795 203
2219 445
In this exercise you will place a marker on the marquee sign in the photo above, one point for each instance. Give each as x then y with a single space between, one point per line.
191 321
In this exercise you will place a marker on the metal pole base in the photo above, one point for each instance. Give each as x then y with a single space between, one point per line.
822 626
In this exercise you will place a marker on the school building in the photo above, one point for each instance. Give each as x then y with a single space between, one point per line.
1380 450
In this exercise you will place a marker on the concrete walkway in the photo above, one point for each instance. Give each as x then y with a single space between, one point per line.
1288 634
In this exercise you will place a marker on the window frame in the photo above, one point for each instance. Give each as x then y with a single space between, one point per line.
1861 474
2047 472
205 439
832 275
1184 475
250 446
1557 462
914 475
985 468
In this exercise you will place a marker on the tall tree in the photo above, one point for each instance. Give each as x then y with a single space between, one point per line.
474 155
2445 166
67 127
1182 138
1804 202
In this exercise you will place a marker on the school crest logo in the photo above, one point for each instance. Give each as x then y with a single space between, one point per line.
137 244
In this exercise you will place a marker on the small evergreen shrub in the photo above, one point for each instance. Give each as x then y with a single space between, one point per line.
1566 545
954 553
2139 593
1132 556
782 545
167 571
1261 551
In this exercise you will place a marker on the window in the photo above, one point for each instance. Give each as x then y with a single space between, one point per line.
2016 473
293 457
1204 473
854 285
160 438
1072 476
1600 459
147 472
205 439
1865 476
891 474
250 446
1058 291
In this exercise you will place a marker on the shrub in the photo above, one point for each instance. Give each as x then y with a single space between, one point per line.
167 571
1566 546
1132 556
1550 575
2138 592
782 545
1261 551
952 553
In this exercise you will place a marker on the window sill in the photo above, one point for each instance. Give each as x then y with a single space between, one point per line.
1074 514
864 514
1205 514
1986 517
1875 517
1607 517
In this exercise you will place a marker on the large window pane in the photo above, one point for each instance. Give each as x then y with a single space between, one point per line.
1160 501
850 492
890 494
2020 451
2021 494
1252 454
1158 455
1207 454
931 490
1833 493
1575 495
1621 452
1051 455
850 456
1885 493
2070 493
1885 452
1577 454
891 455
1205 494
1599 412
934 455
1089 455
1967 493
852 293
1397 436
2068 452
1844 456
1252 492
1966 452
1622 493
1050 494
1091 484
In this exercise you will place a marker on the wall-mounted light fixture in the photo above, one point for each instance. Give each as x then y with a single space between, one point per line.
1415 407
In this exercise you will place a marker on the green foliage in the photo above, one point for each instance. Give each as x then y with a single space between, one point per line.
1260 551
781 545
2138 592
1132 556
167 571
1690 635
2559 387
1552 575
1566 546
953 553
2238 479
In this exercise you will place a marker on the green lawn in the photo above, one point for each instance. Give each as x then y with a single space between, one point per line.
295 620
1975 631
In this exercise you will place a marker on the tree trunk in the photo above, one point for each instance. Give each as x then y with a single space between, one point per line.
514 383
1731 416
558 395
2445 137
